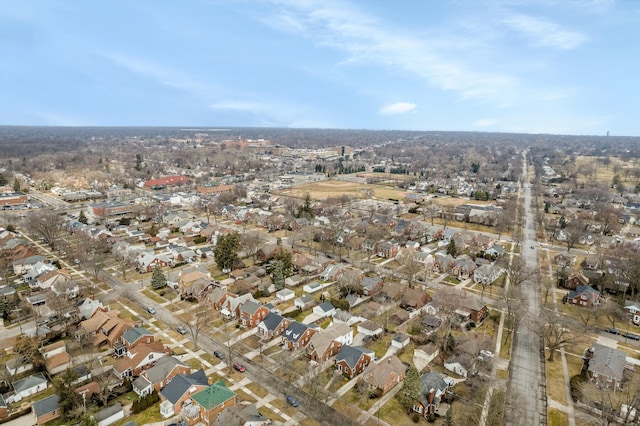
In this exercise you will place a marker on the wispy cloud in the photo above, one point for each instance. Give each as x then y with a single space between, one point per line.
397 108
485 122
367 40
271 113
544 33
162 74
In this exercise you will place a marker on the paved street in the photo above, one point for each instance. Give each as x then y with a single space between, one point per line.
526 388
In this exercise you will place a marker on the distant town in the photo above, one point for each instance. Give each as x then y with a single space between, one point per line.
249 276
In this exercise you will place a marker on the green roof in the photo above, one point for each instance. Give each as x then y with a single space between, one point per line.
214 395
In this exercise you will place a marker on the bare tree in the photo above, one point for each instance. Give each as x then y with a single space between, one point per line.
554 331
515 308
410 265
587 315
196 320
613 312
251 243
517 272
45 224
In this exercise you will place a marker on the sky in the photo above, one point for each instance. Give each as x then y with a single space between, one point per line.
544 66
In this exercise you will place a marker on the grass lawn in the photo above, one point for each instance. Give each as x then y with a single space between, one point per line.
269 413
150 415
556 388
210 358
557 417
346 408
281 405
194 363
395 414
502 374
257 389
153 295
380 345
308 422
243 396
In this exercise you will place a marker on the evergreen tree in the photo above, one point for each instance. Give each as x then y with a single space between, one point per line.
283 255
16 184
158 280
410 392
68 399
277 276
82 218
226 251
452 249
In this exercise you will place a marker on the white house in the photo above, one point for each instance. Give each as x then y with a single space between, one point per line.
28 386
324 310
285 294
400 340
486 274
633 309
461 364
369 328
109 415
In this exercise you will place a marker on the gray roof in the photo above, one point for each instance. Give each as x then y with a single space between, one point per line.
141 383
107 412
431 380
326 306
250 307
135 333
350 355
181 383
29 382
44 406
295 331
607 361
2 402
307 298
272 320
162 368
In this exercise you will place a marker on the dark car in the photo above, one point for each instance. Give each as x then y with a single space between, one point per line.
613 331
181 330
218 354
292 401
631 336
239 367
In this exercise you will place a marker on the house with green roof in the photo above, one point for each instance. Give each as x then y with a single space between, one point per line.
213 400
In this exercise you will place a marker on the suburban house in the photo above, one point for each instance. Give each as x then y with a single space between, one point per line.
423 355
230 308
56 358
285 294
157 377
273 325
432 389
177 394
486 274
194 284
414 298
584 295
631 307
18 365
104 327
352 360
606 365
28 386
140 358
46 409
108 415
136 335
213 400
304 302
369 328
324 310
400 340
388 249
371 285
382 377
461 364
252 313
574 281
297 335
321 347
147 262
473 308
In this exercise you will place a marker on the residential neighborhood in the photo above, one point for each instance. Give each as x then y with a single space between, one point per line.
185 298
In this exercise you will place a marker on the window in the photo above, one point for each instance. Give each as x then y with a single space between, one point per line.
417 408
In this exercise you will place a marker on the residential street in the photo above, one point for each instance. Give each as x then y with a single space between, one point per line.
526 387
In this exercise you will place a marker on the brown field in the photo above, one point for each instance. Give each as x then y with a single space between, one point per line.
334 188
605 173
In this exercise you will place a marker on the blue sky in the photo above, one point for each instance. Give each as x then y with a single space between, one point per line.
546 66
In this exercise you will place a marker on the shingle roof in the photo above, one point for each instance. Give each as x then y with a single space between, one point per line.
295 331
431 380
607 361
162 368
181 383
350 355
214 395
29 382
107 412
250 307
272 320
135 333
44 406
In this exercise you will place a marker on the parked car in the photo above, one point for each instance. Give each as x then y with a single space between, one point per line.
151 310
631 336
292 401
239 367
613 331
181 330
218 354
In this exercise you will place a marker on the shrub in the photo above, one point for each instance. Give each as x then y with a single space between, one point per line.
416 417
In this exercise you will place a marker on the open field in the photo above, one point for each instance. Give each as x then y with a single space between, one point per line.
335 188
604 173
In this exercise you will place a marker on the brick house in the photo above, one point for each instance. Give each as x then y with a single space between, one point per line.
297 335
46 409
177 394
213 400
384 376
158 376
432 389
322 346
352 360
252 313
583 295
273 325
